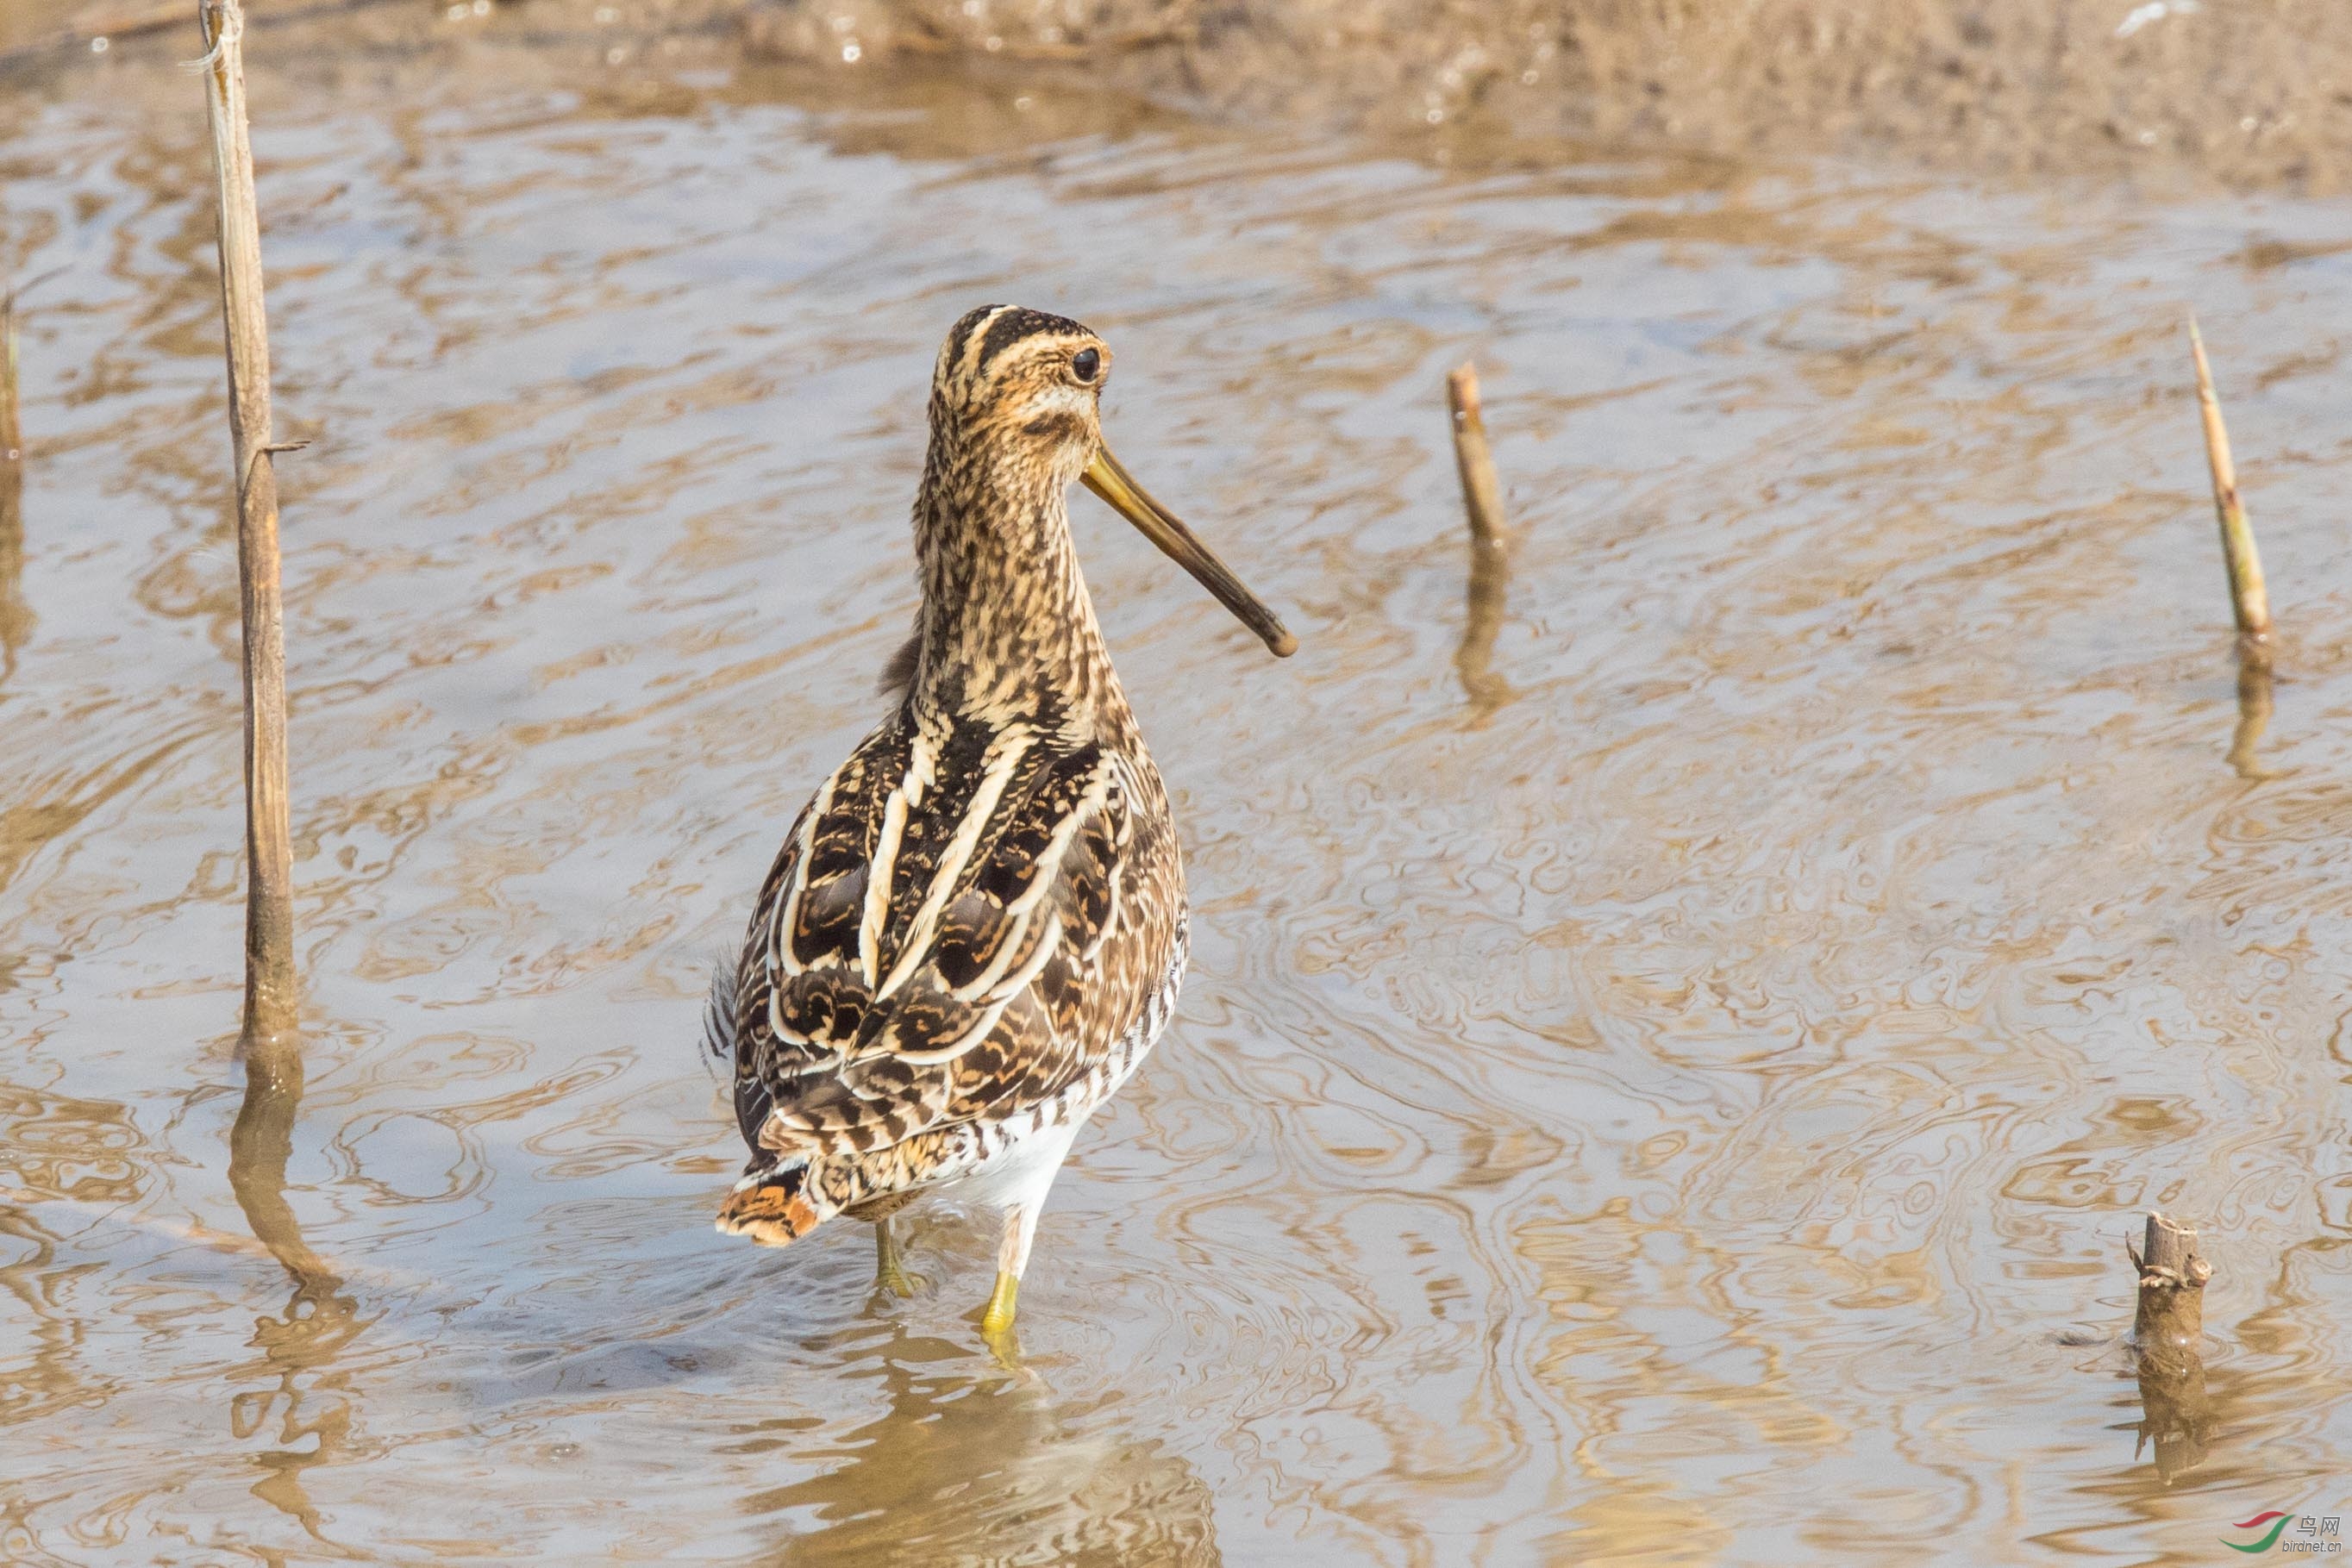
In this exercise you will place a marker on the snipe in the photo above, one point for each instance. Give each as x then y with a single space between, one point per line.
977 927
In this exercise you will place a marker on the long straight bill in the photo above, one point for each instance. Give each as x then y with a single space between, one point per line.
1108 478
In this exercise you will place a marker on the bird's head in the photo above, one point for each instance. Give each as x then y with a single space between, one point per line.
1020 392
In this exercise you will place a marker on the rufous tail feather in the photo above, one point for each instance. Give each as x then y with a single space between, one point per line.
770 1206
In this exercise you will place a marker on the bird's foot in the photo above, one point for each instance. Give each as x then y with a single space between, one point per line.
890 1276
996 1319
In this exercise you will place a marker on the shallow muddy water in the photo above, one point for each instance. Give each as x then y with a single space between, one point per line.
1667 1110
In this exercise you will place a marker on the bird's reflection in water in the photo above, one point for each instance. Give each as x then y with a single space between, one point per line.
306 1398
972 1463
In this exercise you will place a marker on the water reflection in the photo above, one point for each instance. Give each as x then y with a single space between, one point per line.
1489 590
308 1399
974 1462
2175 1414
2254 717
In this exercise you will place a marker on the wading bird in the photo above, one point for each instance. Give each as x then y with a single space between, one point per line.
976 929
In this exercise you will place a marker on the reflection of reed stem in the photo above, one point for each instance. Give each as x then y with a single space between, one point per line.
2168 1331
2254 717
260 1143
2247 597
1490 545
319 1320
269 984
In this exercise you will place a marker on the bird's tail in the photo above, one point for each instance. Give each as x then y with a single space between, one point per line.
775 1206
719 1009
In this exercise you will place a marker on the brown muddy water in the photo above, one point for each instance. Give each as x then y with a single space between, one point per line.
1669 1111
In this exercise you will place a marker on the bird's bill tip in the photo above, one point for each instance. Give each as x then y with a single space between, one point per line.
1106 476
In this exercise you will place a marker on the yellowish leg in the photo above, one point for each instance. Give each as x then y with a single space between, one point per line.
998 1319
889 1270
1012 1258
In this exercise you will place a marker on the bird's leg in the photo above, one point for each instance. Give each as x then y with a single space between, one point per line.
997 1320
890 1269
1012 1258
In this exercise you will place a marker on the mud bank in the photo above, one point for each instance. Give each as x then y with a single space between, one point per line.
2240 93
2250 94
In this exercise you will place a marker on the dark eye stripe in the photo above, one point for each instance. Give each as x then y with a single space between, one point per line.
1060 426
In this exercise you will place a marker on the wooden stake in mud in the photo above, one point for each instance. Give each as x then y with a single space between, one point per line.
2170 1319
1490 544
2247 597
270 985
2168 1331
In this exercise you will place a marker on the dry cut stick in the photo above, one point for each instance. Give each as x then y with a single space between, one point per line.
1482 495
1490 544
2247 597
2168 1331
2170 1319
269 984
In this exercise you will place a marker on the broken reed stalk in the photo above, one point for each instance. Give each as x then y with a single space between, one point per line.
2168 1332
2169 1322
1481 494
1490 543
270 1014
2247 597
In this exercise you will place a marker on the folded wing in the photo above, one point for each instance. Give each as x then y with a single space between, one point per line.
930 947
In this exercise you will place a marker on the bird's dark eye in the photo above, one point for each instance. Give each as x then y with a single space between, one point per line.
1084 363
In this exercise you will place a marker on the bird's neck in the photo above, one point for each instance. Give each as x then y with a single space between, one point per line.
1007 627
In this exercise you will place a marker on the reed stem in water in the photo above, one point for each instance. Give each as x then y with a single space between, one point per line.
1490 545
2167 1342
270 1003
1482 495
2247 597
2170 1319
